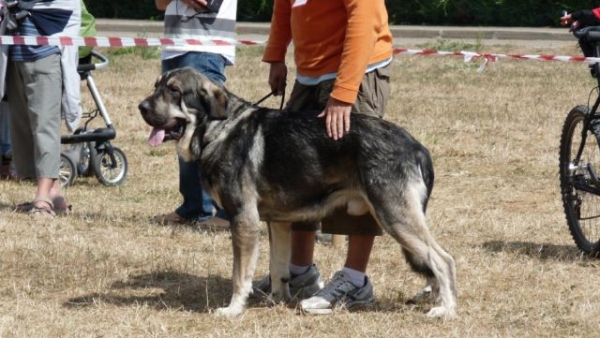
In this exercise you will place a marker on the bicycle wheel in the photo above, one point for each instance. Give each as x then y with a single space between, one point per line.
107 172
67 171
578 183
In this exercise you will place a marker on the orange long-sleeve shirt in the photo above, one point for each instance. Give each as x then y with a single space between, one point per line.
342 36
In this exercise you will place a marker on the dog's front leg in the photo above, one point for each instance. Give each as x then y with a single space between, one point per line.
280 250
245 232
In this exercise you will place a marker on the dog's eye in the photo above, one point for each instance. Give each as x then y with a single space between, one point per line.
175 92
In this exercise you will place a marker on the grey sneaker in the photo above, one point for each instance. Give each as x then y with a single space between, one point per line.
301 286
339 293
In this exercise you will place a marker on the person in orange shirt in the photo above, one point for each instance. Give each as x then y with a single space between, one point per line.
342 49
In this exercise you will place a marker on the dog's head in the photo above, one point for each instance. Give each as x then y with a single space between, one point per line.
183 100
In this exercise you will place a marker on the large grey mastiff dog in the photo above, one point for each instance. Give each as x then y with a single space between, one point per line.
280 166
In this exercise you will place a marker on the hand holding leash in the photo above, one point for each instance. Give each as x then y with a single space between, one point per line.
278 78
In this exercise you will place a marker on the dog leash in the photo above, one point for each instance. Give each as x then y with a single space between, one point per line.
269 95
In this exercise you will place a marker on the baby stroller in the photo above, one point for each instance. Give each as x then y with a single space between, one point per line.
90 151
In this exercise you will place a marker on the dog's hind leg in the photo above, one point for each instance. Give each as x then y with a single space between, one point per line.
245 231
428 259
405 222
280 251
432 289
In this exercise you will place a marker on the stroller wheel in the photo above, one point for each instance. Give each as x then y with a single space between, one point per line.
110 172
67 172
84 164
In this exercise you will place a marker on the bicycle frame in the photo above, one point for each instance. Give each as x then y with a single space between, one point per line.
593 37
594 187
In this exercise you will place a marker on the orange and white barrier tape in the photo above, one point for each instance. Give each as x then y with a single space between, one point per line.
495 57
98 41
156 42
472 56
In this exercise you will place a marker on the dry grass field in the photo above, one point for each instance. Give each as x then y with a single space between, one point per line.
108 271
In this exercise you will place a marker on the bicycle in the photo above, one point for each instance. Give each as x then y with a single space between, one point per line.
579 158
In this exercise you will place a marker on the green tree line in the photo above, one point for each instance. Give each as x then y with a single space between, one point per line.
526 13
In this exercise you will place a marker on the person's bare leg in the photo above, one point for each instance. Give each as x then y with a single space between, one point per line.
303 246
359 252
43 199
49 188
44 187
357 258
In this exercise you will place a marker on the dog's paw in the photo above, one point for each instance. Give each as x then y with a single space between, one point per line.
230 311
441 312
279 297
424 296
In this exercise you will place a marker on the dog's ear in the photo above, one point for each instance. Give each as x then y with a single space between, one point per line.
219 104
216 98
158 79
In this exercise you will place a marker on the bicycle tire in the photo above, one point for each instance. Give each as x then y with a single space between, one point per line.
103 167
582 208
67 171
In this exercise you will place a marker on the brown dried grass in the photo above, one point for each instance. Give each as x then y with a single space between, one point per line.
107 271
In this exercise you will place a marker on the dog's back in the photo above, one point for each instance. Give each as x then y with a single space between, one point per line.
291 152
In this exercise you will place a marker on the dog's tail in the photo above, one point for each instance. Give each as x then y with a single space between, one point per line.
426 169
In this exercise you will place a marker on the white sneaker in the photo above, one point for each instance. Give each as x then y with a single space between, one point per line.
339 293
301 286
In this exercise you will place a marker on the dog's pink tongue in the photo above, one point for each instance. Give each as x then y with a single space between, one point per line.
156 137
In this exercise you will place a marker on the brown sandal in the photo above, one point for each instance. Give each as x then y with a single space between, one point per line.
42 207
64 209
24 207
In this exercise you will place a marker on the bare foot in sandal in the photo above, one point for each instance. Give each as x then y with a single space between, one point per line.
42 207
60 206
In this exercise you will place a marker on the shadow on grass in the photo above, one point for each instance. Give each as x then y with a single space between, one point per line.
162 290
185 292
7 207
541 251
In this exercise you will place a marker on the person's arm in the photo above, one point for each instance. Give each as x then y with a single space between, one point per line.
365 20
280 37
581 18
280 34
